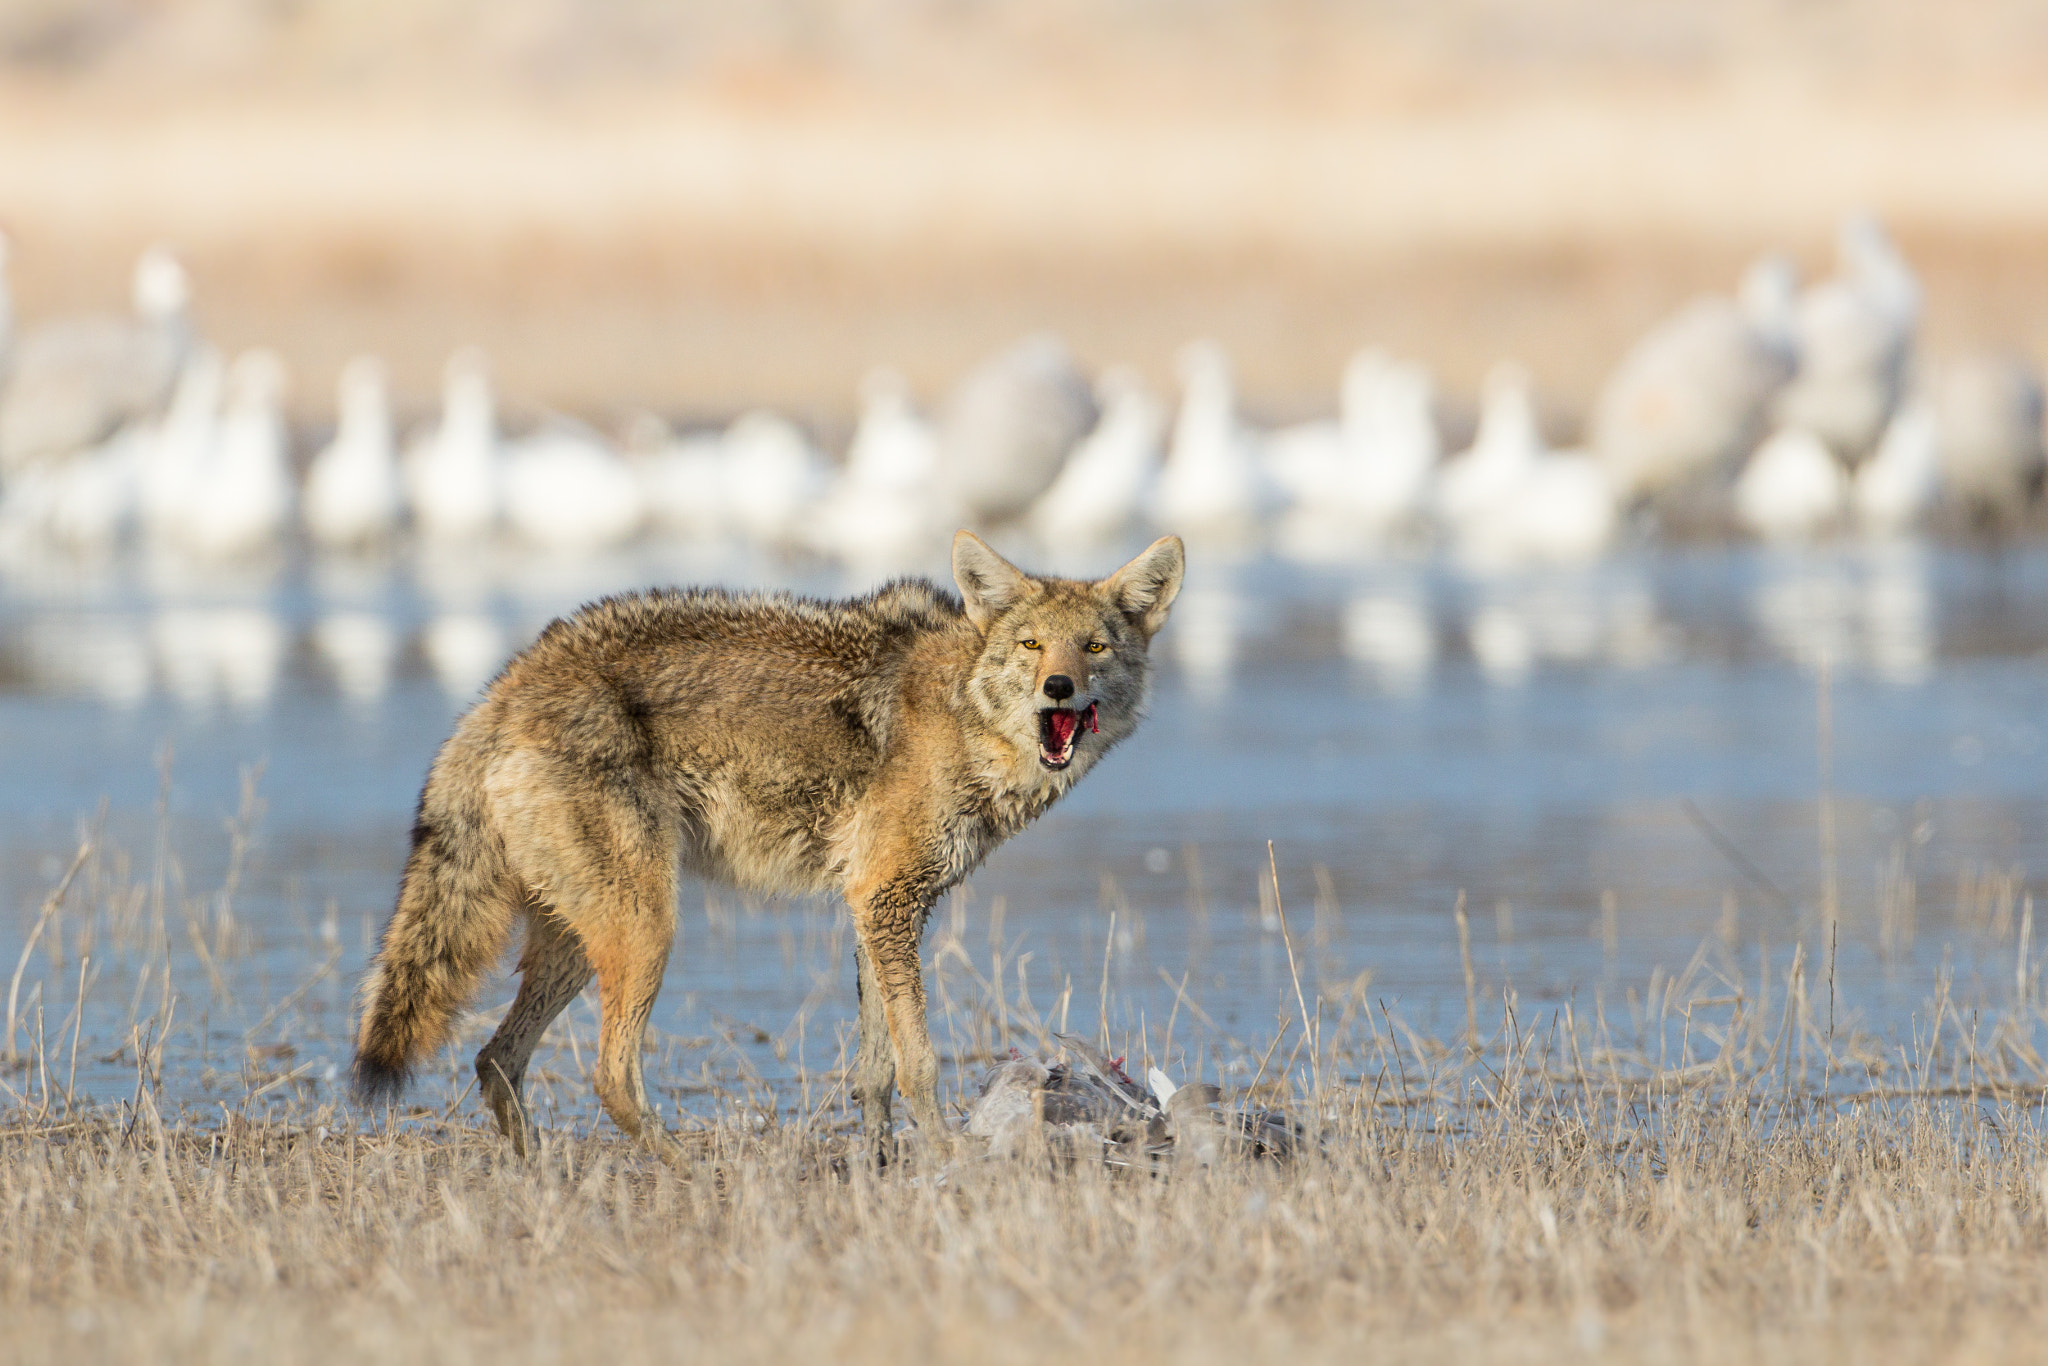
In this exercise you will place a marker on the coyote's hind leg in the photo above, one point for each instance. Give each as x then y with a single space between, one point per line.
552 972
606 854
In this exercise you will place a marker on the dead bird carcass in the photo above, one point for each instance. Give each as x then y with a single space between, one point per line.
1080 1105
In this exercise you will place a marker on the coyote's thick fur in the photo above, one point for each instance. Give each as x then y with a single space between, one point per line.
879 748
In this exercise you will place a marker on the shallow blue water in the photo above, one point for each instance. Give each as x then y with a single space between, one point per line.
1402 732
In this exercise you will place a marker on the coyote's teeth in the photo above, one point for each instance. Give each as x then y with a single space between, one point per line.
1058 727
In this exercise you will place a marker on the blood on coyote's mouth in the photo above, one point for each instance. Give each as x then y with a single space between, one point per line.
1057 727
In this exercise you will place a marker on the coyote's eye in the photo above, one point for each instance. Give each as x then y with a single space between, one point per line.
1029 644
1096 647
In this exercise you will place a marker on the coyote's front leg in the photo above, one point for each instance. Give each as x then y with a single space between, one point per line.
874 1067
889 922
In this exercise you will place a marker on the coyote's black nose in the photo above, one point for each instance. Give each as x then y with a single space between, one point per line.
1059 687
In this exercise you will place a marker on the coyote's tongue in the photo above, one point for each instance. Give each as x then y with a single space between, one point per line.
1058 728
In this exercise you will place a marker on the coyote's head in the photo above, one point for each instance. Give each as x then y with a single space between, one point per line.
1063 661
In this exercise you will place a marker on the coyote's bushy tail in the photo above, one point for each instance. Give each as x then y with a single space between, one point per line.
455 911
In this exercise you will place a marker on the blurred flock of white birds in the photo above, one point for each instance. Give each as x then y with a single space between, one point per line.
1784 412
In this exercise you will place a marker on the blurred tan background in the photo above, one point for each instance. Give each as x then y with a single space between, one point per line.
700 206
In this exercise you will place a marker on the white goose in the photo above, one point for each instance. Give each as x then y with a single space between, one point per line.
770 476
88 373
176 460
83 505
1508 501
566 490
351 498
241 501
92 496
1793 488
681 478
1503 451
1896 488
1308 465
882 510
1365 477
1565 513
1099 492
452 473
1211 487
1390 422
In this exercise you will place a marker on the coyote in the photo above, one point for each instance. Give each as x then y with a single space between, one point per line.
879 748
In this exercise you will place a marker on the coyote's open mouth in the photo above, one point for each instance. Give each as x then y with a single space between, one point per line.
1057 727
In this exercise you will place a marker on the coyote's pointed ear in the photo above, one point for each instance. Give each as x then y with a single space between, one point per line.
989 584
1145 588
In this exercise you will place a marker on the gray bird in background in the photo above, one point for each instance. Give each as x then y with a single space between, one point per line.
1692 398
1008 426
1988 411
1855 334
73 383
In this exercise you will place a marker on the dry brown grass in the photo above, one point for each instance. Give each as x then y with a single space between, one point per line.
1717 1176
1547 1225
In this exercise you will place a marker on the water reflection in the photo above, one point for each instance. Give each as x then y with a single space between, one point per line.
1208 621
352 580
1572 619
1898 614
1503 642
95 654
1874 610
359 649
210 642
1637 635
464 650
210 656
1391 635
455 579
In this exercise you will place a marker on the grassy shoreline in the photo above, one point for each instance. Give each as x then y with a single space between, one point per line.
1538 1224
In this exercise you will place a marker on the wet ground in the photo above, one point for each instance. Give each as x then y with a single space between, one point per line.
1649 771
